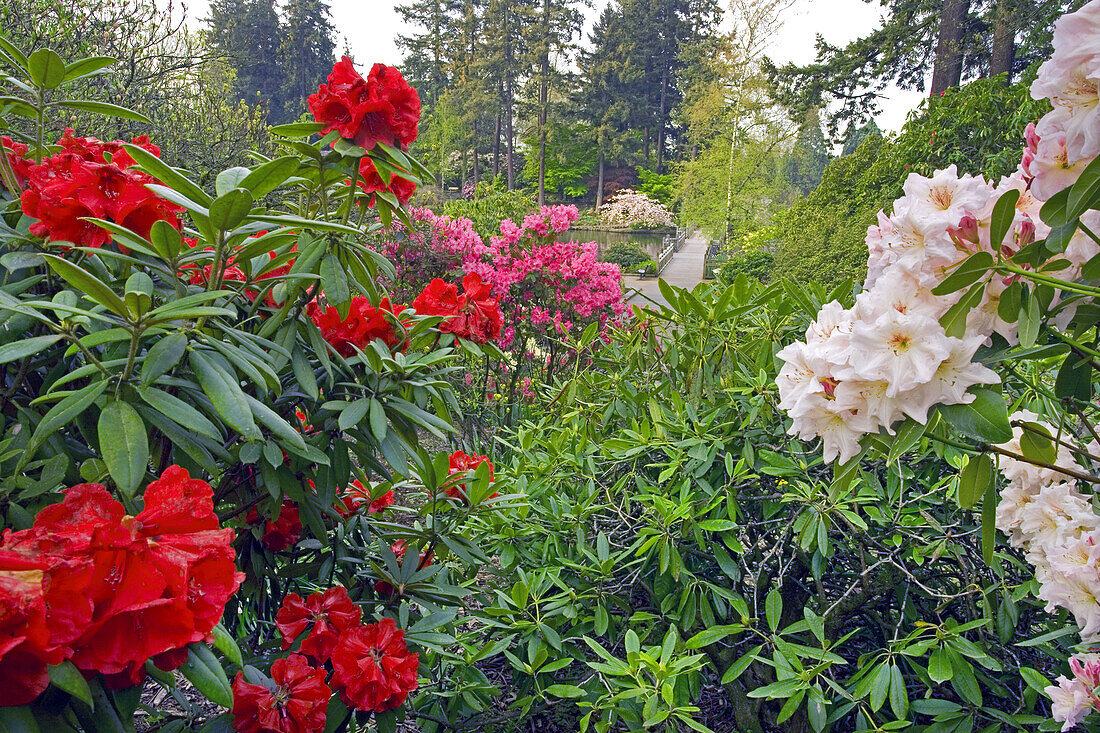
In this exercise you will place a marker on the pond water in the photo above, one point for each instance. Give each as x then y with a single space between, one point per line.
648 241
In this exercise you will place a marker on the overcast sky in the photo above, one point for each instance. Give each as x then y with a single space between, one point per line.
370 28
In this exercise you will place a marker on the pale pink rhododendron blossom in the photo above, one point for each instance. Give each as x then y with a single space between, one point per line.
630 208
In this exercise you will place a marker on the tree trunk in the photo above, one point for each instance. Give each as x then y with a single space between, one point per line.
544 99
647 147
599 185
476 171
1004 40
496 142
661 121
947 69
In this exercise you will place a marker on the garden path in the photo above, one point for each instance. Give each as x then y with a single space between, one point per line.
685 270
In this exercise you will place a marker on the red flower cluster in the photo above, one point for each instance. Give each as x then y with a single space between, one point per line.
372 668
327 615
473 315
16 154
110 591
91 178
297 704
382 108
356 495
231 272
282 532
461 463
364 324
371 182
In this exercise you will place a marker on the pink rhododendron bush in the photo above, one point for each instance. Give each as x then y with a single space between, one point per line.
548 290
636 210
976 329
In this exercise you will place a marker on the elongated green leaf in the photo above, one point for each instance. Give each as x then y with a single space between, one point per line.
973 480
229 210
176 409
303 372
276 424
167 175
227 645
105 108
1085 192
779 690
62 414
773 608
164 355
124 444
971 269
1029 321
1004 212
67 677
46 68
985 419
1074 380
298 129
301 223
354 413
989 521
225 392
17 720
270 175
203 670
954 320
939 665
26 347
87 66
89 284
334 281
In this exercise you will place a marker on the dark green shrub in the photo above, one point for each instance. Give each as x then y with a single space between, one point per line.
979 126
629 257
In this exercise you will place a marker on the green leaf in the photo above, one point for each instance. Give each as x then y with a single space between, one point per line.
972 268
46 68
354 413
985 419
164 355
303 372
954 320
1004 212
976 475
939 665
225 392
87 66
182 412
275 423
167 175
773 608
736 669
270 175
989 521
230 209
334 281
298 129
25 347
880 686
1074 380
779 690
17 720
378 426
712 635
67 677
124 444
566 691
227 645
1029 321
89 284
336 714
203 670
899 695
1037 443
1035 679
105 108
62 414
1085 192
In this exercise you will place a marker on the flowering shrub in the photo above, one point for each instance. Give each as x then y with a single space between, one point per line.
630 208
965 276
233 398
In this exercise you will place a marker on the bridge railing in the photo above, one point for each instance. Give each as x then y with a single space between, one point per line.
714 258
670 245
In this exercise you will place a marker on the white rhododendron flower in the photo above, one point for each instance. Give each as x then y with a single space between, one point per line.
1070 701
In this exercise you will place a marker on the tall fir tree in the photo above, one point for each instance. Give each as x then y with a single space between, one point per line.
307 52
246 34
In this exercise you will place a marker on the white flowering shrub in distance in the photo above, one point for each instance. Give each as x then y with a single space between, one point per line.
630 208
966 279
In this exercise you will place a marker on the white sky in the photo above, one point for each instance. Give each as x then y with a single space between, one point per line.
370 29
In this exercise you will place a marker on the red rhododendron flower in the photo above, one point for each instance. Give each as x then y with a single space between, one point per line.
297 704
121 589
282 532
80 182
473 315
371 182
400 548
25 647
373 668
327 615
356 495
364 324
21 165
381 108
460 462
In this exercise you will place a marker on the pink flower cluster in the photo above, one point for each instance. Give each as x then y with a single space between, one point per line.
1073 699
630 208
549 284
